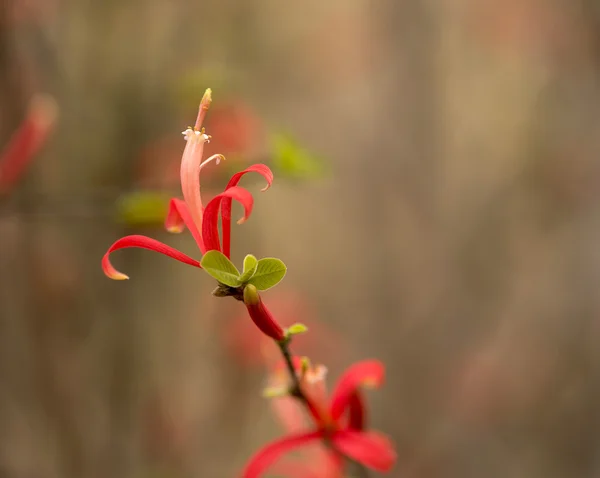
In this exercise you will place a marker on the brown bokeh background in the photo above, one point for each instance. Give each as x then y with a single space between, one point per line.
457 237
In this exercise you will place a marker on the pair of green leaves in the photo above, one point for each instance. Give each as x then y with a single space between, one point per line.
262 274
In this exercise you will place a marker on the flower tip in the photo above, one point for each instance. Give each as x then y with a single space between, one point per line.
175 229
119 276
373 374
110 271
206 99
114 274
372 382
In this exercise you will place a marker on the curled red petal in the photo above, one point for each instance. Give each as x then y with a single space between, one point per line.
368 373
210 219
261 169
271 452
142 242
179 217
372 449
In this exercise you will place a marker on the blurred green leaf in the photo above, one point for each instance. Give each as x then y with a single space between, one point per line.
217 265
143 208
297 328
292 160
269 272
250 266
275 392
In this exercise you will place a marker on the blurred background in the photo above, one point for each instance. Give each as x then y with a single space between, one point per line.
436 202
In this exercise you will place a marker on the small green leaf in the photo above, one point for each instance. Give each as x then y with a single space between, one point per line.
269 272
296 329
304 364
217 265
250 266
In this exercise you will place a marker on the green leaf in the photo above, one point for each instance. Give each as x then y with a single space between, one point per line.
292 160
142 208
269 272
217 265
297 328
304 364
250 266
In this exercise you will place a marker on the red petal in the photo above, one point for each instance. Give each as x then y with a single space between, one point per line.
316 462
289 412
372 449
295 469
144 243
261 169
179 217
210 219
364 373
270 453
357 411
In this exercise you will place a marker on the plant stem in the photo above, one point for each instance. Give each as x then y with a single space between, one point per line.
287 356
358 470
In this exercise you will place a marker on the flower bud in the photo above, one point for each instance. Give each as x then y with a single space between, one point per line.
260 315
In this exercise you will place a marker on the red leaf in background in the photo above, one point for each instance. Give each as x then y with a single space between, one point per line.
158 164
237 132
27 141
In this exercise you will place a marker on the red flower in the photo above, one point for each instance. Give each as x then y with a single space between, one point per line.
340 420
201 221
26 141
315 460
